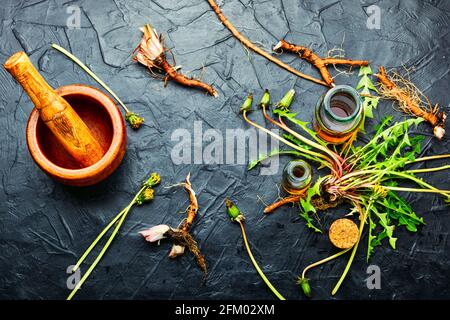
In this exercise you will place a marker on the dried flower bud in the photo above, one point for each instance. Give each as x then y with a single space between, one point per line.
176 251
145 196
286 102
304 284
233 211
247 105
155 233
150 47
134 120
153 180
265 100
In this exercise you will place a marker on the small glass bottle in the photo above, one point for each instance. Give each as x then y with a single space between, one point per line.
339 114
297 176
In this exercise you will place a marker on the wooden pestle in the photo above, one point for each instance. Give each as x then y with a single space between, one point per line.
56 112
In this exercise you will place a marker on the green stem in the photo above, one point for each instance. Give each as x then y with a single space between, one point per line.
288 143
443 192
352 256
318 263
122 215
89 72
428 169
100 255
100 236
255 264
419 182
441 156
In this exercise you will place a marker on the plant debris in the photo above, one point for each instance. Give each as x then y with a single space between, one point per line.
320 63
144 195
181 236
151 53
411 100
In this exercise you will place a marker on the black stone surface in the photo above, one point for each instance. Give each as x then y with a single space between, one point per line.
45 226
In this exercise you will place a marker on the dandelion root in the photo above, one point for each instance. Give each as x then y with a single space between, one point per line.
318 203
184 239
247 43
320 63
151 53
411 100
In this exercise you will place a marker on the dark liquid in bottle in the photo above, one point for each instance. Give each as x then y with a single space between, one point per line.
342 105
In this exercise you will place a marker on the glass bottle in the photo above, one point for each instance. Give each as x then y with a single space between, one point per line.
297 176
339 114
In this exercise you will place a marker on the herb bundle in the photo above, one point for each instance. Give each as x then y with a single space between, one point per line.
367 177
144 195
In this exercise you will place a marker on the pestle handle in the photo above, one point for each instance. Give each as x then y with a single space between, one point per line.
56 112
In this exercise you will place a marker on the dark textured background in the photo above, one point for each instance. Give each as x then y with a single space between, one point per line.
45 226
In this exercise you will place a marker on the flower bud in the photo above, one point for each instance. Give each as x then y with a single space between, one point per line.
304 284
247 105
153 180
134 120
286 102
145 196
265 100
233 211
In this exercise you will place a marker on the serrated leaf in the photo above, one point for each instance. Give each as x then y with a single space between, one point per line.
364 70
309 222
367 109
365 82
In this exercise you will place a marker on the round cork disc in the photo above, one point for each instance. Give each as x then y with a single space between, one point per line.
343 233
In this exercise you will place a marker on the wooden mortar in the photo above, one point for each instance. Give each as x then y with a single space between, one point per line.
75 134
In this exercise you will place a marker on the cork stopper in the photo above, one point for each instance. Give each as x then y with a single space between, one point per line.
343 233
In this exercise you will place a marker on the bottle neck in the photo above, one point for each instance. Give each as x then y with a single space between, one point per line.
339 111
297 176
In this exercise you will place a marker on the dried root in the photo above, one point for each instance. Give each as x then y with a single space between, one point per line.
184 239
250 45
319 203
151 53
411 100
282 202
181 236
320 63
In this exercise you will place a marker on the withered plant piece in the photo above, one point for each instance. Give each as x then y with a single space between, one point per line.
181 236
411 100
247 43
151 53
320 63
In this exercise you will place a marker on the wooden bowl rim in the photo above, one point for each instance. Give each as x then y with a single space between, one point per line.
117 139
